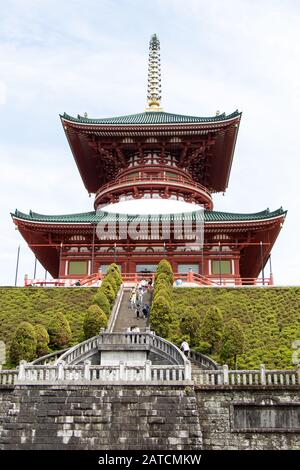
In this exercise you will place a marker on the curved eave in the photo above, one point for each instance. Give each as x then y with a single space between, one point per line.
253 220
140 120
224 131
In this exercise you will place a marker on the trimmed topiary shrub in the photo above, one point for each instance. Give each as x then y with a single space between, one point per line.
161 316
190 324
94 319
211 330
59 331
165 293
113 270
164 268
111 279
43 339
108 290
232 342
102 301
23 345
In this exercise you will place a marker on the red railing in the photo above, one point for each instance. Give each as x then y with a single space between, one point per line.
162 179
188 278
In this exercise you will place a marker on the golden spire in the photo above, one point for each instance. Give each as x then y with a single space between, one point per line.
154 79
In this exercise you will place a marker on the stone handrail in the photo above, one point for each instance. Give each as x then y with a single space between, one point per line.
8 377
261 377
129 340
115 310
49 358
50 374
29 374
149 339
78 351
203 361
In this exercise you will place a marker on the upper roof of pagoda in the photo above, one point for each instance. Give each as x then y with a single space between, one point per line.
202 145
151 118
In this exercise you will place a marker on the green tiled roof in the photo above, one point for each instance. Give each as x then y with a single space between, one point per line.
151 118
95 217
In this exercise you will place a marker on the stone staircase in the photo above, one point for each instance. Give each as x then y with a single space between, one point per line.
127 317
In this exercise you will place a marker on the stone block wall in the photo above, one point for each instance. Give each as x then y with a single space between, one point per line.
121 417
249 418
101 417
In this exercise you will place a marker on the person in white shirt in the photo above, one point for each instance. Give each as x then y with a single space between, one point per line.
185 347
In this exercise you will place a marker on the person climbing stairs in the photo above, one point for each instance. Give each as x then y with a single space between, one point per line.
127 317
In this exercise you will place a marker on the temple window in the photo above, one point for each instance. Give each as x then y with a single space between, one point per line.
78 267
146 268
221 266
104 267
185 268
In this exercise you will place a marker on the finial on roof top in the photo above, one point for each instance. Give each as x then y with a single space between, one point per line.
154 77
85 115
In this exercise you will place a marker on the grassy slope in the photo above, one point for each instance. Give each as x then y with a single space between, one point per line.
270 319
37 305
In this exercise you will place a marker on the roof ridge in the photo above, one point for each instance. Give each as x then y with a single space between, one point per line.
93 216
151 117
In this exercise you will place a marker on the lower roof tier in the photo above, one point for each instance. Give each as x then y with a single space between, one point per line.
96 216
251 236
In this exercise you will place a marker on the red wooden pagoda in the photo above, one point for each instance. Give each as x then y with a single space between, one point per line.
162 156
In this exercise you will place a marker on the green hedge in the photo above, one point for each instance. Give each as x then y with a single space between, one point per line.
269 317
38 305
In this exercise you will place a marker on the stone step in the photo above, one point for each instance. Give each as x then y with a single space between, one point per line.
127 317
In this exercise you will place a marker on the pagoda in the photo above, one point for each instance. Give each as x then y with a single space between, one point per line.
156 157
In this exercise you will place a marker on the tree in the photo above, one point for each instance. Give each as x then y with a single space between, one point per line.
23 345
212 328
111 279
115 271
164 267
102 301
161 316
233 341
42 338
108 290
94 319
59 331
164 293
190 323
162 283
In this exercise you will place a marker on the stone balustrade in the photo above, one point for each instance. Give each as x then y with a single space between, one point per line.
61 373
203 361
79 351
115 310
7 377
145 373
128 341
261 377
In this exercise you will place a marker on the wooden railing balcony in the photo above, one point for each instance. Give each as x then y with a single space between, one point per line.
178 183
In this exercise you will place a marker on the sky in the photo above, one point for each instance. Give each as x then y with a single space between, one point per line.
91 56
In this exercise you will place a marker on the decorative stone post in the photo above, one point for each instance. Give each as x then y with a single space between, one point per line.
262 374
22 372
296 357
61 371
148 371
86 371
2 353
122 370
225 375
187 370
